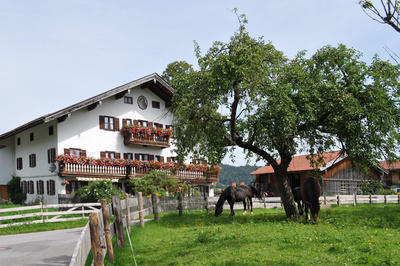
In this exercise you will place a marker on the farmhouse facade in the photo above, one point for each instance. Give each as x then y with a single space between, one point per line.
120 134
337 175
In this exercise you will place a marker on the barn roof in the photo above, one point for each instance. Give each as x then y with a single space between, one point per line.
301 163
390 166
153 82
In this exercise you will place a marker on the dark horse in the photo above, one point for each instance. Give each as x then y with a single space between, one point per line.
236 194
310 193
297 198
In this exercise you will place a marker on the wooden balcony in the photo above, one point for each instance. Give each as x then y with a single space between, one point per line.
149 140
119 172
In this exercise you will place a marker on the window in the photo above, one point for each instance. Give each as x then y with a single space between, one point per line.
158 125
126 121
40 187
199 161
110 154
51 155
128 100
51 187
155 104
19 163
18 141
142 157
31 137
158 158
24 186
75 151
32 160
31 187
128 156
73 186
51 130
109 123
171 159
143 123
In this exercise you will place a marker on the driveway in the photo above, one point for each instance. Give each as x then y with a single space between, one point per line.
43 248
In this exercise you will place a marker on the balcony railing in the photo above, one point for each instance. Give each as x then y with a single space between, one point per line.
147 140
120 172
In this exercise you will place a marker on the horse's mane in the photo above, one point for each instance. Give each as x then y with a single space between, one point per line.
256 191
224 196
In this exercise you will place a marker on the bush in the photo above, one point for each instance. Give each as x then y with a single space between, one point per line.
98 190
371 187
15 191
155 183
383 191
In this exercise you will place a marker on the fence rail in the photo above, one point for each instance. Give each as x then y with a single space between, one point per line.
46 216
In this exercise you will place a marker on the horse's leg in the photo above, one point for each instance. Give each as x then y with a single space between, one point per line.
244 204
307 215
232 211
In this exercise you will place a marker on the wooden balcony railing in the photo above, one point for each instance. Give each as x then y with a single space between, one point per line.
81 170
147 140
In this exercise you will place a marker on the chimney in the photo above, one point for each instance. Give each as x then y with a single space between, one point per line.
233 184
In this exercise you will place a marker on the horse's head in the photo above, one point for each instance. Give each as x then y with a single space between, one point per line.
218 210
314 211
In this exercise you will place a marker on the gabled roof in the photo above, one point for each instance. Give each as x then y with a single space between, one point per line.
153 82
390 166
301 163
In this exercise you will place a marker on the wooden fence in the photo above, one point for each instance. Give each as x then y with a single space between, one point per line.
44 216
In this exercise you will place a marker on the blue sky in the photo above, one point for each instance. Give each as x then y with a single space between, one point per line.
57 53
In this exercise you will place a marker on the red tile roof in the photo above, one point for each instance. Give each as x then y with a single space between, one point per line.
299 163
390 166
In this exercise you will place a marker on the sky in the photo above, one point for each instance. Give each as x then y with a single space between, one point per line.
57 53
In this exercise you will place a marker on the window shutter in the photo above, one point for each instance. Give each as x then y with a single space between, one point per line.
204 161
151 157
137 156
67 151
135 122
162 159
168 159
83 153
124 121
101 122
117 155
150 124
102 154
194 161
48 187
116 124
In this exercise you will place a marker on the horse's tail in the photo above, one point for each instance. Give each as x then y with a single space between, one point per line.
256 192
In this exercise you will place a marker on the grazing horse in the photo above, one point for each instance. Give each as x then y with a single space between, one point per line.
297 198
236 194
310 193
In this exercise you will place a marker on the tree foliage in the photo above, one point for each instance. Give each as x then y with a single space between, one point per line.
387 12
155 182
175 69
246 93
14 190
98 190
236 174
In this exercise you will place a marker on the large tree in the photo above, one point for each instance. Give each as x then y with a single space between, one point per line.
246 93
385 12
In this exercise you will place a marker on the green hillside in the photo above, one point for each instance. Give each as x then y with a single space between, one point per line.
236 174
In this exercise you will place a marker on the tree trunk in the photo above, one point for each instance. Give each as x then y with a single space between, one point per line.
286 194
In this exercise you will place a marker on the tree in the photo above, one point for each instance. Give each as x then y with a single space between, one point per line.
155 182
388 13
248 94
17 196
175 69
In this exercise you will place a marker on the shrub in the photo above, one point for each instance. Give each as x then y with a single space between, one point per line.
15 191
371 187
98 190
155 182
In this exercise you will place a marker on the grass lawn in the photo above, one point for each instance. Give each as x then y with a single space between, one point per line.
346 235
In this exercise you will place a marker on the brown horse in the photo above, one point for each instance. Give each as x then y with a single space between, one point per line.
237 194
310 193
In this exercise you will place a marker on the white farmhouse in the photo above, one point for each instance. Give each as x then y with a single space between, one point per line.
120 134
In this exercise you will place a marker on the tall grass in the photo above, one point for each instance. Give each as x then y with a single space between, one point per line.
366 234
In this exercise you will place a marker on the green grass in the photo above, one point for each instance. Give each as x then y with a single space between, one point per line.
38 227
366 234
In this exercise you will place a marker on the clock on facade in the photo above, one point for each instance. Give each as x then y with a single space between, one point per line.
142 102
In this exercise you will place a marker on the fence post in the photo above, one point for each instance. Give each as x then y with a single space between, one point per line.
398 199
207 205
324 199
180 203
95 239
155 207
128 214
385 199
355 199
0 214
83 208
338 200
265 204
107 231
370 199
41 210
118 220
141 214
